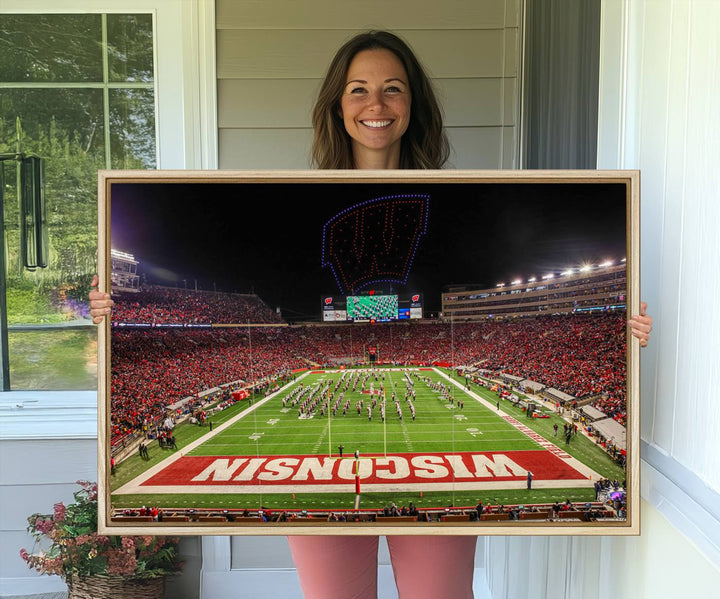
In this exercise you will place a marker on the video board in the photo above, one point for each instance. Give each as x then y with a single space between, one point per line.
379 308
371 308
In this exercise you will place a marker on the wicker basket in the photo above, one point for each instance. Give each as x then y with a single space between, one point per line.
116 587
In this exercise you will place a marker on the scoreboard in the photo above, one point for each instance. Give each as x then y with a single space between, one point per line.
371 308
380 308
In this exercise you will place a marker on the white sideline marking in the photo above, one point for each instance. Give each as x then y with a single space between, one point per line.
366 487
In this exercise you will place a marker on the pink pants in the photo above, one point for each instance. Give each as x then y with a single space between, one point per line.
425 567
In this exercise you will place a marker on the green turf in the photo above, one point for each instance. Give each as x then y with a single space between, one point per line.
271 429
439 427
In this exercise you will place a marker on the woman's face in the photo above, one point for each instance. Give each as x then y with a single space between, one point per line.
375 107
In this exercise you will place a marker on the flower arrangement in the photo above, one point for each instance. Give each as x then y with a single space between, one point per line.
77 551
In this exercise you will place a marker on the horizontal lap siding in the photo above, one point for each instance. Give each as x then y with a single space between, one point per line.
36 475
306 54
271 59
353 14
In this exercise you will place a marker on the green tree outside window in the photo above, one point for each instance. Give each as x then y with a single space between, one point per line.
78 91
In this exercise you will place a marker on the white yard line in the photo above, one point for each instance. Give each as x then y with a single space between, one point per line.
321 438
406 436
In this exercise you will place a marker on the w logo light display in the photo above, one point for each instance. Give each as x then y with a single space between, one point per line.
375 241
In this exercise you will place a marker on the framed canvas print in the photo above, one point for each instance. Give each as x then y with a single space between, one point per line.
366 352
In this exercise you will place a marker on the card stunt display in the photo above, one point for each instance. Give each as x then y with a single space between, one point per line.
345 353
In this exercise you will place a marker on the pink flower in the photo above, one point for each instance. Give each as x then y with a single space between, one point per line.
25 555
59 512
121 562
128 543
43 526
53 565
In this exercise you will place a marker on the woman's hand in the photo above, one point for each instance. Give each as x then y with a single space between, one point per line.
641 325
100 303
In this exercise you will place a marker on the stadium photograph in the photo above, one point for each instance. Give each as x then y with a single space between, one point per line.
409 354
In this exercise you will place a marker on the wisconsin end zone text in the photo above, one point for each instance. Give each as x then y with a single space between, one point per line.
405 471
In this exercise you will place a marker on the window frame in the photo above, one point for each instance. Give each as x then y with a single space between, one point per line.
186 138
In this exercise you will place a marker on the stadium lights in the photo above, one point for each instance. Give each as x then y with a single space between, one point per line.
532 280
500 285
516 282
569 271
623 260
606 264
585 268
119 254
550 276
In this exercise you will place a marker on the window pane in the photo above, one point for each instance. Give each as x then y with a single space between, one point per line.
65 127
50 48
132 128
52 343
130 47
53 121
54 359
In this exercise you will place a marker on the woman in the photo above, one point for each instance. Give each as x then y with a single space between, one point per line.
377 110
346 136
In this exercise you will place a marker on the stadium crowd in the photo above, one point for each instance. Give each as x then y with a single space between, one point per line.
581 355
168 305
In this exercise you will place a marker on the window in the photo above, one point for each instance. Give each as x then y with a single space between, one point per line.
77 90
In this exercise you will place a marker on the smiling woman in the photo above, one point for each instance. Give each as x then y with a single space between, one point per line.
375 108
364 104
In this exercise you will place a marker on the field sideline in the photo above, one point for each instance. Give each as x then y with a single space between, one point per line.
268 451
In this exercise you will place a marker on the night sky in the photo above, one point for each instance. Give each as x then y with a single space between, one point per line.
267 237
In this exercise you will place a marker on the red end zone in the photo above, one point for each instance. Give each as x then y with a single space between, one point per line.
334 474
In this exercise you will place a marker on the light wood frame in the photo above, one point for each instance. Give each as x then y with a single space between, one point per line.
631 181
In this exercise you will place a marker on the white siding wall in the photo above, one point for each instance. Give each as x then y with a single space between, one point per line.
271 57
660 84
45 447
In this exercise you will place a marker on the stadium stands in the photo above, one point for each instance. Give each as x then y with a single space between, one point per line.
582 355
599 287
168 305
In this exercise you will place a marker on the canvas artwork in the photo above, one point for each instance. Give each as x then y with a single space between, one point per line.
369 353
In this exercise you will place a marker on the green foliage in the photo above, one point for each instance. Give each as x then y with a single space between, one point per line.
66 127
28 304
54 358
71 197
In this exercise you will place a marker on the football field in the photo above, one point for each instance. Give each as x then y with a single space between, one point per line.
288 446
